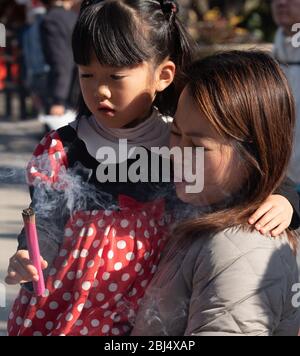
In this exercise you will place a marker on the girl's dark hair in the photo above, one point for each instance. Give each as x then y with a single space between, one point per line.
48 2
128 32
246 97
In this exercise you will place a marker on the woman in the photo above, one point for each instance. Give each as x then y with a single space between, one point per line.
218 275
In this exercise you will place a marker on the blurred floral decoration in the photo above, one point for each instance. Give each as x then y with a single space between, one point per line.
229 21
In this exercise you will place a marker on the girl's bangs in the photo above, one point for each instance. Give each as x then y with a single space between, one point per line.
110 32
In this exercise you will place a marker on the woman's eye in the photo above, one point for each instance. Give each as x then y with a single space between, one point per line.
84 76
200 145
175 133
117 77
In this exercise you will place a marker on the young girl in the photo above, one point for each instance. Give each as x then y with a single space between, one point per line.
127 53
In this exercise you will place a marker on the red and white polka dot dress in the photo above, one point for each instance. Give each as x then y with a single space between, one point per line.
99 278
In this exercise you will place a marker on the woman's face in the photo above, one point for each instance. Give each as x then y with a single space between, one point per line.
223 171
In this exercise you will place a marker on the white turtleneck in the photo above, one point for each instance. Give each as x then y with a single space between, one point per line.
153 132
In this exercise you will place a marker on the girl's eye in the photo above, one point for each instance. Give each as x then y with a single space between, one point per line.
117 77
84 76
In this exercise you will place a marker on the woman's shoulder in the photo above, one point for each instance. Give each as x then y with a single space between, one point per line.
245 250
244 241
238 274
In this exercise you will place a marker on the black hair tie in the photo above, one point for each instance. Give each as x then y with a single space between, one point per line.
169 7
85 4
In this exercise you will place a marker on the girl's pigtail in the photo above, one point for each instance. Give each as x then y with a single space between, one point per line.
182 51
170 8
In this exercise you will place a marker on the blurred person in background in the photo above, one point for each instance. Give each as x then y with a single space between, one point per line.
34 67
56 33
11 13
286 13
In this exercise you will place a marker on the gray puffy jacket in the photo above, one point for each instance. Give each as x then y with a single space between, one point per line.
233 283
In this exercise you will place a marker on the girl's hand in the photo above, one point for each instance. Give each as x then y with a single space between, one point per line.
21 270
274 216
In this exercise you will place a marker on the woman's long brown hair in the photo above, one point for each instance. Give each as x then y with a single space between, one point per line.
246 97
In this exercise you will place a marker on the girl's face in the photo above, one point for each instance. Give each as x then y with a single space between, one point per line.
223 173
118 97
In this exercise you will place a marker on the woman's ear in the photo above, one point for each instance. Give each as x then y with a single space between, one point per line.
165 75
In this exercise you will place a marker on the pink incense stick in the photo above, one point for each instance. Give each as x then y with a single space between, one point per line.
33 248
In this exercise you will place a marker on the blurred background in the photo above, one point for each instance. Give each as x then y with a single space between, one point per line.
215 24
31 56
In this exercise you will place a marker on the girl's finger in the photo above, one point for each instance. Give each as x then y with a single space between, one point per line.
27 264
279 229
260 213
28 267
267 218
28 272
14 278
44 263
274 223
11 277
11 281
